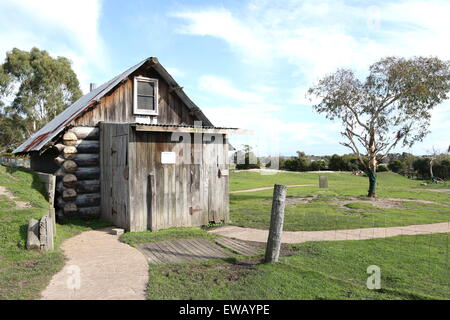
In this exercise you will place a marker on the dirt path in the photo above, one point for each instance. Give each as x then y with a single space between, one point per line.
249 234
437 190
269 188
107 268
10 196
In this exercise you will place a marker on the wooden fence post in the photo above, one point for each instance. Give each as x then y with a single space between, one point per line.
276 224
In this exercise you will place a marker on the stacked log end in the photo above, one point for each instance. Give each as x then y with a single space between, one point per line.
79 173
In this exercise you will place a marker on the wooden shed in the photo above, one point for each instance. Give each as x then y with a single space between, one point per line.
138 152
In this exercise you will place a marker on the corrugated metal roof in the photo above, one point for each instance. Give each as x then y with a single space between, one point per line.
43 136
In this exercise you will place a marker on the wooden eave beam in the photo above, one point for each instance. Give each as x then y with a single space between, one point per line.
151 128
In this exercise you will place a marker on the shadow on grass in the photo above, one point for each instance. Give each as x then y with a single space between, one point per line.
93 223
23 230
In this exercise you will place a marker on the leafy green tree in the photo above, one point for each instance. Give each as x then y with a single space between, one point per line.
391 107
295 164
422 167
318 165
396 166
336 163
34 88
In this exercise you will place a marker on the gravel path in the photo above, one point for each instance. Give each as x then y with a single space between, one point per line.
269 188
107 268
249 234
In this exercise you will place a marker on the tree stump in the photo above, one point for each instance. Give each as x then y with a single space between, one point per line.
323 182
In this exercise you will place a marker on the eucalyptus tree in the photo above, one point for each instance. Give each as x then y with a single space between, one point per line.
390 107
34 88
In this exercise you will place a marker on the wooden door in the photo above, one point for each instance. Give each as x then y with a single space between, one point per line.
119 186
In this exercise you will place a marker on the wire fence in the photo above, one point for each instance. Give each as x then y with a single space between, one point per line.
407 245
412 259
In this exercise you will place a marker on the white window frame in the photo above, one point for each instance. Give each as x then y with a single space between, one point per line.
138 111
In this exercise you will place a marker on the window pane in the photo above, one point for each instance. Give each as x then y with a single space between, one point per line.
145 103
145 88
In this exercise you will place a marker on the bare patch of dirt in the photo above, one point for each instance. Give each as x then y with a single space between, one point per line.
19 204
285 250
381 203
384 203
294 200
437 190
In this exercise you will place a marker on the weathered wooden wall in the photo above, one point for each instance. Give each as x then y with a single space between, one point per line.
188 193
118 106
115 200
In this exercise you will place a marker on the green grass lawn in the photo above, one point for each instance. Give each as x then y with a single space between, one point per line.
412 267
23 274
323 213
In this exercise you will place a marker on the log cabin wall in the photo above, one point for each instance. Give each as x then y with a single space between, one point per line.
78 184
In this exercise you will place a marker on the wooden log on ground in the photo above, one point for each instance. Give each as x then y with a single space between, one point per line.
87 146
88 173
89 212
69 152
69 194
69 180
46 233
88 186
276 224
70 166
86 133
33 242
86 159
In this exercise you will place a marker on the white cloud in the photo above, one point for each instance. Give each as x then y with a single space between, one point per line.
223 87
254 110
317 37
66 28
175 72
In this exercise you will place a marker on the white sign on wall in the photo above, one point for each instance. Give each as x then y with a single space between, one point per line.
168 158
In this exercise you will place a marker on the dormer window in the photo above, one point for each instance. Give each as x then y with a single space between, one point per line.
145 96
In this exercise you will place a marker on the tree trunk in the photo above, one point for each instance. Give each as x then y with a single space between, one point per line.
431 169
372 182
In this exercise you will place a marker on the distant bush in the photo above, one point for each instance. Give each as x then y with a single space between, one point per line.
295 164
397 166
382 168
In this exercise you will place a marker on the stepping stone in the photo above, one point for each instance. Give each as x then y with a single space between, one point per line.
182 251
237 246
117 231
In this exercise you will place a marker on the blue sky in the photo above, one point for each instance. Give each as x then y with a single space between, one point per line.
247 64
